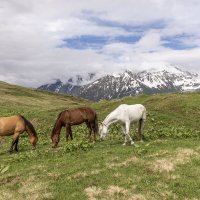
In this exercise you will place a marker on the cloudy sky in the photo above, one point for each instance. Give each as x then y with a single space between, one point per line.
41 40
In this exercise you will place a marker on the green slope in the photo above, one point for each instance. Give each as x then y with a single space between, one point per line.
41 107
155 169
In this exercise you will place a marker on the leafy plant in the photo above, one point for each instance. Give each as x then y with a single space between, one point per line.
77 145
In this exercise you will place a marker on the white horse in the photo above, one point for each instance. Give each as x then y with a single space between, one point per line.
126 115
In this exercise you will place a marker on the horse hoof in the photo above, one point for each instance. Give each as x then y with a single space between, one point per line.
124 144
132 143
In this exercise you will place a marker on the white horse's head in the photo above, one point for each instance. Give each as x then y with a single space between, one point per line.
103 129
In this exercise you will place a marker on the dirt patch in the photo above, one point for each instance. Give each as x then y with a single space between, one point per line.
167 194
117 175
79 175
116 191
114 159
163 165
31 189
34 189
54 176
96 171
7 195
174 177
184 156
158 154
127 162
93 192
181 157
113 192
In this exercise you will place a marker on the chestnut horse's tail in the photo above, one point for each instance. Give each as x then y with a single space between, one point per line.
96 126
29 127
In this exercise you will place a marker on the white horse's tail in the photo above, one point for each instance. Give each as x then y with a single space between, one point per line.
144 114
141 123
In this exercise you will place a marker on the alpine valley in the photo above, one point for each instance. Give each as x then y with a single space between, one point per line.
128 83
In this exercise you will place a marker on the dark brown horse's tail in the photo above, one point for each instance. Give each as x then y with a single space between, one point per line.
96 126
29 126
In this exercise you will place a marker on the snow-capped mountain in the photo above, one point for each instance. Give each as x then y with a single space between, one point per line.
72 83
128 83
82 80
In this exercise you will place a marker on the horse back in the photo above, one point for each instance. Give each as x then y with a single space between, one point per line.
137 112
79 115
9 125
89 112
132 112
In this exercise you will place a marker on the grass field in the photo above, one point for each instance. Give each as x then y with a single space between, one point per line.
165 166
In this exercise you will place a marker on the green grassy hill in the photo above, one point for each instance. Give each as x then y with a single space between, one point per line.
165 166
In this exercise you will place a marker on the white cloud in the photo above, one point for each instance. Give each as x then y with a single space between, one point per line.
149 42
31 31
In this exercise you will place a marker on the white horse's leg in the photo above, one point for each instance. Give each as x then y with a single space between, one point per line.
134 129
127 132
124 131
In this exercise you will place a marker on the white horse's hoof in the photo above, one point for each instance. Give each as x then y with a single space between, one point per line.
124 144
132 143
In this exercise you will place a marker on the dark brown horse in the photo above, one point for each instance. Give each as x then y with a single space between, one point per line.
68 118
16 125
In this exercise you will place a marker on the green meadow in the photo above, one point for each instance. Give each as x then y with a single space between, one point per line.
165 166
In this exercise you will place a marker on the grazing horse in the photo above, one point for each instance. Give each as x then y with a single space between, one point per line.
126 115
68 118
16 125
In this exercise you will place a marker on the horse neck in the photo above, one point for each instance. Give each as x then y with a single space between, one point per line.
111 118
57 127
30 129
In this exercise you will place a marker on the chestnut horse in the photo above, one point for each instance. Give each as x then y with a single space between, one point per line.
68 118
16 125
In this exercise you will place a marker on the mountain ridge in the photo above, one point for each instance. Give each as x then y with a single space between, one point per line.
129 83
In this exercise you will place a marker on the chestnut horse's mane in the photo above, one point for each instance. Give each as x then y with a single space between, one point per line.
29 125
56 123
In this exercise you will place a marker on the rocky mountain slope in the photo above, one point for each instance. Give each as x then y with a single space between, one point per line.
128 83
